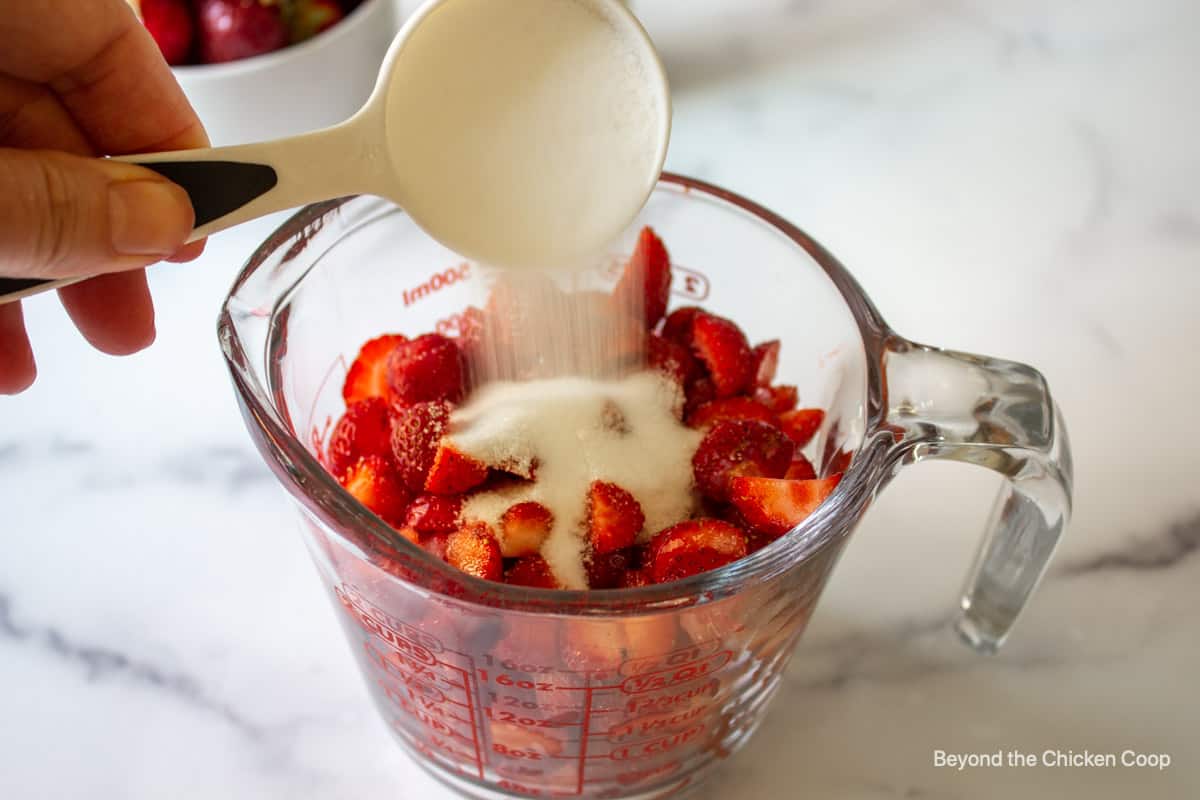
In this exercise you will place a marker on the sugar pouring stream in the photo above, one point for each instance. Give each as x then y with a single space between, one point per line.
527 133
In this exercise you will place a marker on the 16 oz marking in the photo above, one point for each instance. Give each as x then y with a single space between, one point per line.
504 679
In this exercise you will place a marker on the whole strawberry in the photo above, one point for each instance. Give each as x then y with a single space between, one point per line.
307 18
234 29
170 24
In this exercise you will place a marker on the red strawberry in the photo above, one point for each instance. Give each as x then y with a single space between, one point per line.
474 550
776 506
367 376
766 362
801 469
839 461
695 546
234 29
670 358
646 283
454 472
607 570
310 17
778 398
532 571
614 517
364 430
170 23
722 347
436 544
432 514
416 432
802 424
635 579
524 527
429 367
677 327
374 484
739 447
730 408
698 392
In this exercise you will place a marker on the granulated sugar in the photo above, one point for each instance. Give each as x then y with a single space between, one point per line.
568 432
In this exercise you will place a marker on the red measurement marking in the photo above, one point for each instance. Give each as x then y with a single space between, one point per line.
683 674
473 715
664 702
676 658
656 747
689 283
586 722
436 283
642 775
654 724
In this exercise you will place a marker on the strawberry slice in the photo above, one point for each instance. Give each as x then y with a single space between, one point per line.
766 362
778 398
532 571
722 347
367 376
698 392
364 430
416 432
635 579
429 367
695 546
730 408
677 327
801 469
453 472
474 550
524 527
607 570
776 506
375 484
432 514
670 358
739 447
436 544
646 283
802 424
614 517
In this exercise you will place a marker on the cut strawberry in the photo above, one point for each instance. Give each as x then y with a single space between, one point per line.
364 430
766 362
840 461
635 579
432 514
646 283
778 398
532 571
436 544
367 376
670 358
677 327
614 517
730 408
739 447
429 367
416 432
454 472
801 469
722 347
374 484
524 527
776 506
607 570
695 546
802 424
698 392
474 550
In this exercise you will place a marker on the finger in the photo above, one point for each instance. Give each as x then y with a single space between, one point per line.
108 71
17 370
31 116
113 312
64 216
189 252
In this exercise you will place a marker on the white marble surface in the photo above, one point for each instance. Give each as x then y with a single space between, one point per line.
1012 177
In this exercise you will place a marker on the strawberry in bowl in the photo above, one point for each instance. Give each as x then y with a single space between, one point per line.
681 456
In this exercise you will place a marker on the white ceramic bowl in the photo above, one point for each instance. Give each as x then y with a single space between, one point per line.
300 88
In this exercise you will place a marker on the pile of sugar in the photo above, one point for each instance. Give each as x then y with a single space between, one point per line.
569 432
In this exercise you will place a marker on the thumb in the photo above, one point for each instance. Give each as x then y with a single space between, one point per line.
63 216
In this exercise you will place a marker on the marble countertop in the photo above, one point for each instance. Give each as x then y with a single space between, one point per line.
1010 177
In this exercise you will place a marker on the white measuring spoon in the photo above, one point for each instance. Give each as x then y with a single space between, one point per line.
515 132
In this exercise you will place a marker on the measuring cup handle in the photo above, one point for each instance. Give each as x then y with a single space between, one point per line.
1000 415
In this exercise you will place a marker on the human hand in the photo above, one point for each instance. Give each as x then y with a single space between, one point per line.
79 80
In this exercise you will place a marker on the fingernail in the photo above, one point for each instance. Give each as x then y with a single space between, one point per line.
148 218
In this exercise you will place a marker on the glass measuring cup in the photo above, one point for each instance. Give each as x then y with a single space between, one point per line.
506 692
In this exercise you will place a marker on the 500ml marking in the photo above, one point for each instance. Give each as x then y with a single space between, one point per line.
437 282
